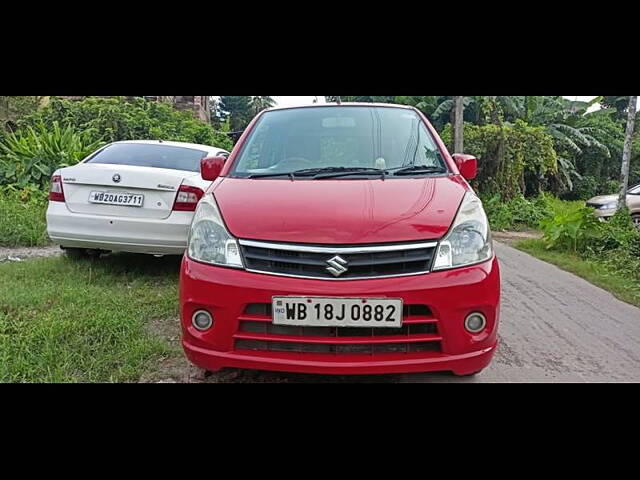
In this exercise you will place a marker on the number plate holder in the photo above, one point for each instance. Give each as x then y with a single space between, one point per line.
116 198
337 312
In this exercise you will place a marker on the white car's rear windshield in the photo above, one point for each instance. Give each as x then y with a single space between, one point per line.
155 156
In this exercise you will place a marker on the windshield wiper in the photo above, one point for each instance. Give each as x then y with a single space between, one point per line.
267 175
334 172
315 172
417 169
345 171
307 172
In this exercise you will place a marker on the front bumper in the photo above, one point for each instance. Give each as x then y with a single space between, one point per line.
450 297
166 236
604 215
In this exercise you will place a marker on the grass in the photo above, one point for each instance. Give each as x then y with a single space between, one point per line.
66 320
22 224
624 288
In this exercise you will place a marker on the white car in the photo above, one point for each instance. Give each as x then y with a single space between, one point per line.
131 196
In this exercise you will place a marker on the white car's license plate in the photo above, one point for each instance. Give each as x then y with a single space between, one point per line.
337 311
112 198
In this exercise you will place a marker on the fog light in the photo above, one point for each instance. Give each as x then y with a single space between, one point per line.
202 320
475 322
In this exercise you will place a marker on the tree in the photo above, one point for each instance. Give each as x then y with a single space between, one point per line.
626 153
238 109
617 104
568 123
216 115
13 108
260 103
116 118
458 125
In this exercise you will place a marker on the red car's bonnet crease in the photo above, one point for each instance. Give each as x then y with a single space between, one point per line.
325 245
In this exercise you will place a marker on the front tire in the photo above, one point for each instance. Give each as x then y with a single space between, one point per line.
636 220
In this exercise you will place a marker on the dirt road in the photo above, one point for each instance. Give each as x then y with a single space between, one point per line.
21 253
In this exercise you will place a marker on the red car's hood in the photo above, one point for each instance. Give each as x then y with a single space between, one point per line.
339 211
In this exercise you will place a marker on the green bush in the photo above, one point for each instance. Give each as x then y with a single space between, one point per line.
618 232
614 244
31 155
618 246
115 119
518 213
587 187
570 230
22 217
513 159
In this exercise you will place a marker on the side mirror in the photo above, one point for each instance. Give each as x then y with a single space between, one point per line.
210 167
467 164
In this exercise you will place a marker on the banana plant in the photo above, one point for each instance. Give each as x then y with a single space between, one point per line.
31 155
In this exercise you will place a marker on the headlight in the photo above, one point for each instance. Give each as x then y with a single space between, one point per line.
209 240
608 206
468 240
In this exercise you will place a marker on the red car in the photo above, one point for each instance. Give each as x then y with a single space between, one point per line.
340 239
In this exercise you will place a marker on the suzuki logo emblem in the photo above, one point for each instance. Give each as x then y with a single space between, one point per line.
116 178
337 266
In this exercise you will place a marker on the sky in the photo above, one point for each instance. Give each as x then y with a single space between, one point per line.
293 101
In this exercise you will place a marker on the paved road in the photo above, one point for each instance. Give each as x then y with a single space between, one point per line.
557 327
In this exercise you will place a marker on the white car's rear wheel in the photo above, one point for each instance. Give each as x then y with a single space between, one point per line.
636 221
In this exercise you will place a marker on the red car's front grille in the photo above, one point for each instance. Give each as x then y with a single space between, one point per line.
396 262
419 333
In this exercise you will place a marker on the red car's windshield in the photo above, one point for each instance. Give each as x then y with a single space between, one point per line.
338 138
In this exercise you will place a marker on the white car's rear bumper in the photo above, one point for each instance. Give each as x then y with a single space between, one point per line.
140 235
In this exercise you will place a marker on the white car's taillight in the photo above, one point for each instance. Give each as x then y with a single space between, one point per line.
56 193
187 198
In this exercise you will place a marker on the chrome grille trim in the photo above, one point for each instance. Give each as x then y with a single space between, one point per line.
336 278
263 257
336 250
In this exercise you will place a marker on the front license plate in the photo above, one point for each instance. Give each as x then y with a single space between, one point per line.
337 312
124 199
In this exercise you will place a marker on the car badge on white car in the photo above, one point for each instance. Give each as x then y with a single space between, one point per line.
337 266
116 178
